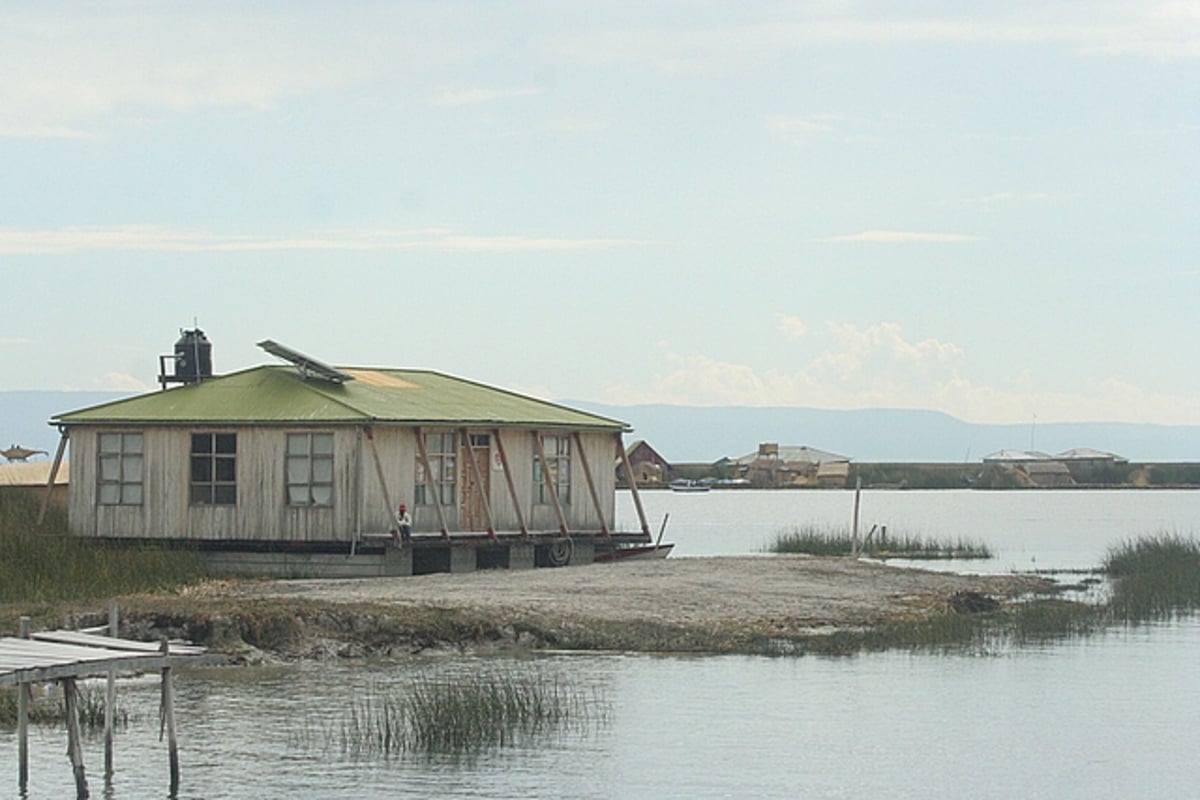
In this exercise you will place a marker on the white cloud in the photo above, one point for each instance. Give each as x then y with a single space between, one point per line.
878 367
805 126
149 238
13 341
463 97
790 326
120 382
898 237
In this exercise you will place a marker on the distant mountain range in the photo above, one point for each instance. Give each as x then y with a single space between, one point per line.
706 434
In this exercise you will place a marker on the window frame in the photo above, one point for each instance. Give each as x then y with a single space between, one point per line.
557 448
212 472
316 483
441 450
115 468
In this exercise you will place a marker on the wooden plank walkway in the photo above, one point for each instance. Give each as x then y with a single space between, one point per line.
66 656
50 655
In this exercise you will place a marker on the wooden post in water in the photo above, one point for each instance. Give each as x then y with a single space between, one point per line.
23 722
167 720
854 524
110 699
74 737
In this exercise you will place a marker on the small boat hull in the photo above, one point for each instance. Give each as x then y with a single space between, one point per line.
637 552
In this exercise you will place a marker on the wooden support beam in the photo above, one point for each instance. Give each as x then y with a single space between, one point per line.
110 698
548 482
587 474
74 737
508 479
632 481
167 721
23 722
487 506
58 457
431 484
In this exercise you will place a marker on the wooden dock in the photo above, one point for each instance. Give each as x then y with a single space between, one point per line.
65 656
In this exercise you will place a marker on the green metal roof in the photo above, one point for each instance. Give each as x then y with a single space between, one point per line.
281 395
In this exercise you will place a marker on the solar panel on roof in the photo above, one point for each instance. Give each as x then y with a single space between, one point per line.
309 367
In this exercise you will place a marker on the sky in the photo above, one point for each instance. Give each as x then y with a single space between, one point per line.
989 209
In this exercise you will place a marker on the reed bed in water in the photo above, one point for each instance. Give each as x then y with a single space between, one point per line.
465 716
51 708
1156 577
45 563
838 541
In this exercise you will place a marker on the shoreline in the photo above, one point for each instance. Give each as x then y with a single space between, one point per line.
725 604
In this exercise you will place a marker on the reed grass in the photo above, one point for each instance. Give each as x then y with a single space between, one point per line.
838 541
462 717
1155 577
51 709
46 563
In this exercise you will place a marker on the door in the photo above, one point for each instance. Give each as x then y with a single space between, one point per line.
472 511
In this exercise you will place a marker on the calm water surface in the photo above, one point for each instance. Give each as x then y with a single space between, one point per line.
1112 716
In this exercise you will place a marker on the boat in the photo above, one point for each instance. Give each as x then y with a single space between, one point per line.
689 486
636 552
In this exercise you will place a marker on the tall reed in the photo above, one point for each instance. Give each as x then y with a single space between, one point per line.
459 717
839 541
46 563
1155 577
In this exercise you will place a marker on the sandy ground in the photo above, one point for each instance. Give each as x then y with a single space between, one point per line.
785 593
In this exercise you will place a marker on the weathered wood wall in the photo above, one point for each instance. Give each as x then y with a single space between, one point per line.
360 502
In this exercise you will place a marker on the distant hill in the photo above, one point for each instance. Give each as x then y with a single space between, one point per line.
23 415
705 434
696 434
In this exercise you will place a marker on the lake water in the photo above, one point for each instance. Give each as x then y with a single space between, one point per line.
1109 716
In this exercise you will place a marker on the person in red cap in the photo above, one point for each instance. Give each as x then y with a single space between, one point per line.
404 524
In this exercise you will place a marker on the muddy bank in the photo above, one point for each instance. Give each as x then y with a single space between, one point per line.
727 604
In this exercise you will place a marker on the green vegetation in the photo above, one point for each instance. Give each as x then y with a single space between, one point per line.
51 709
838 541
1154 578
46 564
460 717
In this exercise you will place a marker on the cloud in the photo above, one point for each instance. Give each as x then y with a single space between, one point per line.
898 237
149 238
120 382
73 74
463 97
877 366
14 341
791 327
805 126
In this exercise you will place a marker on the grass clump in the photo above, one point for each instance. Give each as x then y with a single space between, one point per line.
51 708
1156 577
835 541
46 563
463 717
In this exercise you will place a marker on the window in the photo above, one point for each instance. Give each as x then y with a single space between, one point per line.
310 469
440 449
214 469
558 466
119 478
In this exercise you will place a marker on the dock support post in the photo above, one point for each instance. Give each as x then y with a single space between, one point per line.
167 721
74 737
110 699
23 722
854 522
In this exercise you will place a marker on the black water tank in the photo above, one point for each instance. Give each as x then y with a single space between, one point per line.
193 357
